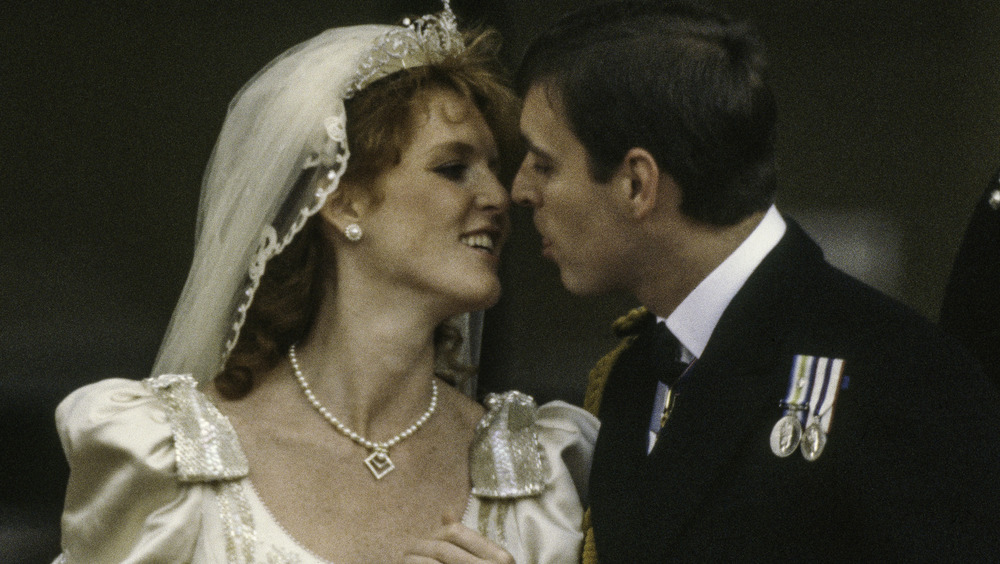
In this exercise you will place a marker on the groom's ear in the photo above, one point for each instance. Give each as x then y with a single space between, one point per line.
642 183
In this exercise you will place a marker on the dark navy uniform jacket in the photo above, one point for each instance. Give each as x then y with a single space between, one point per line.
910 472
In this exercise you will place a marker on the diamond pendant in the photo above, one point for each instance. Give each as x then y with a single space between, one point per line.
379 463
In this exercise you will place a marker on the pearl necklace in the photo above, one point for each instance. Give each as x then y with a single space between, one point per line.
378 462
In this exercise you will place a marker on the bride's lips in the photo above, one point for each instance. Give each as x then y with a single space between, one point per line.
546 248
486 242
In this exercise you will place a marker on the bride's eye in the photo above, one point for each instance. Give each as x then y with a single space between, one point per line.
541 166
452 171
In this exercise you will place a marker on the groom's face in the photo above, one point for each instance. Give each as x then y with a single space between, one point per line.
580 219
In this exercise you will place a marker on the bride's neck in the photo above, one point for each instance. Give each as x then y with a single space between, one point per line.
370 366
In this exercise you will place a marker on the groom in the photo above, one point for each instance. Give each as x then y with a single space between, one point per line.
762 406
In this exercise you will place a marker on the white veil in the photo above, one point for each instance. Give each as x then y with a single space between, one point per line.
289 117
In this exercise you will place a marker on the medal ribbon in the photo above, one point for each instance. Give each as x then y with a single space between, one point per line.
825 394
800 383
816 379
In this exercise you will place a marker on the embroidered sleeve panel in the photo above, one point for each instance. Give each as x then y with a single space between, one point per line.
206 444
506 459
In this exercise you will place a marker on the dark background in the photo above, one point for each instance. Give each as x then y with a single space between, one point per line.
888 133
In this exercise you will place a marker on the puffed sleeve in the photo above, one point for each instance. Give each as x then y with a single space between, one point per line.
123 501
530 468
126 500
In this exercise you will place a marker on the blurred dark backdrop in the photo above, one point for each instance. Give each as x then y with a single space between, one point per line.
889 130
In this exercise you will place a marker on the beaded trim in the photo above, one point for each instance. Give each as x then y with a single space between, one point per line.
205 442
208 450
506 458
237 519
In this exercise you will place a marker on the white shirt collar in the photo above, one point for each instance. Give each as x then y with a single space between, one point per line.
695 318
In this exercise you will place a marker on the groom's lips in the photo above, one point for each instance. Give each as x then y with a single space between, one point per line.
546 242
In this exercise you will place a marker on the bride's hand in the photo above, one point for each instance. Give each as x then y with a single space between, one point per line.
454 543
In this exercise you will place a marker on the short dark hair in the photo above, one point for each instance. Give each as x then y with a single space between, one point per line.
678 79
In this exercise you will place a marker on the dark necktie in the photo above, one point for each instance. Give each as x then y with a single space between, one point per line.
624 478
665 351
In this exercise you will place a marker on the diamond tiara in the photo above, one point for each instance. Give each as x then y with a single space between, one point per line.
419 42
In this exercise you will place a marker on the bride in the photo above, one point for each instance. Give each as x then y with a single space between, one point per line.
305 404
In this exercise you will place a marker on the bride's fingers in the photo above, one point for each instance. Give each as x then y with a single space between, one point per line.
455 543
416 559
473 543
439 552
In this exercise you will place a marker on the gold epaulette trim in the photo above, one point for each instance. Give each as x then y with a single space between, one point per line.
626 327
629 323
589 555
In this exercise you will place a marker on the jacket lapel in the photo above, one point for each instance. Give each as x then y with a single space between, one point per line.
738 381
619 483
717 414
713 419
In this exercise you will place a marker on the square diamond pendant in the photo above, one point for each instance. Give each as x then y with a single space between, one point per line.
379 464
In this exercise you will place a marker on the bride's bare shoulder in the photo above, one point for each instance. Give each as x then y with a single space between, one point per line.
465 408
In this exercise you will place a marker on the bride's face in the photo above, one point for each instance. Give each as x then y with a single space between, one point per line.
442 218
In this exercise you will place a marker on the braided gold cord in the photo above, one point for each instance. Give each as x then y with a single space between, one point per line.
589 555
626 328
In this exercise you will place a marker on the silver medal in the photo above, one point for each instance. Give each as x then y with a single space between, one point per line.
786 436
813 441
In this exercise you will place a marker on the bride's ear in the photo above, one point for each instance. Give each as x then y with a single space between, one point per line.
342 209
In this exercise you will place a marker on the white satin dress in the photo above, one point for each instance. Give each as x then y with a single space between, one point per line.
157 474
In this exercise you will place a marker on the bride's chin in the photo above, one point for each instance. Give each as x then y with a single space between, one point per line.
490 302
492 296
486 298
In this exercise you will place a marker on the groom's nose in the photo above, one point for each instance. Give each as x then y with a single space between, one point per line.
524 191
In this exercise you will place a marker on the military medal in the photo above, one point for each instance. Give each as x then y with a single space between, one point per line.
813 441
808 406
668 406
787 432
785 435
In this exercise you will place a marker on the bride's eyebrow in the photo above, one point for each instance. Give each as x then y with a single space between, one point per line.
532 148
460 149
